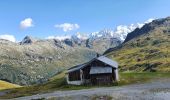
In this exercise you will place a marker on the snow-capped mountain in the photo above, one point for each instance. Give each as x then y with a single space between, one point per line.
80 36
100 40
97 41
103 33
60 38
120 31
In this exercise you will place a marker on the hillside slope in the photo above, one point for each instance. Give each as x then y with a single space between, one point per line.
33 62
145 49
6 85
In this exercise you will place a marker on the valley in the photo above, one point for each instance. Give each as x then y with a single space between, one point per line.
34 61
84 50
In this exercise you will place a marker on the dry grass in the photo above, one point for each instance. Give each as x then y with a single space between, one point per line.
6 85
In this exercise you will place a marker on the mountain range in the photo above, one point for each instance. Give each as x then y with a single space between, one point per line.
142 47
34 61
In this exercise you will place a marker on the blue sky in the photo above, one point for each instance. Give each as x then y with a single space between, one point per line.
89 15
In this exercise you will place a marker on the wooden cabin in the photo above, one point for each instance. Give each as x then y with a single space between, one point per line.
100 70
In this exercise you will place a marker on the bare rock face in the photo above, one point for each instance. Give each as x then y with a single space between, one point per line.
28 40
69 42
102 44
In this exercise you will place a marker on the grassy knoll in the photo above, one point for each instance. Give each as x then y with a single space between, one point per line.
59 83
6 85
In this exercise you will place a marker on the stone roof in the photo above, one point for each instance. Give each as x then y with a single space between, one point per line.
103 59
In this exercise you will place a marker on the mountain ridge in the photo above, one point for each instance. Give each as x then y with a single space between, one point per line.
145 49
34 61
147 27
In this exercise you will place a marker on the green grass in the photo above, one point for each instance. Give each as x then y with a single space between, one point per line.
53 84
142 77
149 49
59 83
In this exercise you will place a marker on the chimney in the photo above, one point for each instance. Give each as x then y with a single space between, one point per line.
98 55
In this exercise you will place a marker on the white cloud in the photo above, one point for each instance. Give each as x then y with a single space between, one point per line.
8 37
67 26
59 37
26 23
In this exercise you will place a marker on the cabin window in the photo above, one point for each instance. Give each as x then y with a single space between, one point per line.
74 76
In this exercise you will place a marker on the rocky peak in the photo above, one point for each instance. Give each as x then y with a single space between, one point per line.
69 42
28 40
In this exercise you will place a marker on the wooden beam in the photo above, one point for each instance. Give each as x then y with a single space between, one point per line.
116 75
81 75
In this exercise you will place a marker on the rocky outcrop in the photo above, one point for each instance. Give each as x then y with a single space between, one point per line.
28 40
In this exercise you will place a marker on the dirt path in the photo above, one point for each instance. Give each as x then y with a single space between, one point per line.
155 90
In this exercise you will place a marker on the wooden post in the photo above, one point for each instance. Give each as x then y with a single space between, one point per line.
67 77
81 75
117 75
